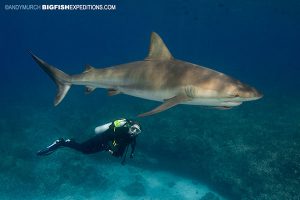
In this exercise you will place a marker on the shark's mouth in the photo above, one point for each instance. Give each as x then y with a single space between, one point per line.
233 103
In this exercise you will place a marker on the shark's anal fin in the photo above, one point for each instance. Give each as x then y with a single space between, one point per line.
89 90
158 50
169 103
112 92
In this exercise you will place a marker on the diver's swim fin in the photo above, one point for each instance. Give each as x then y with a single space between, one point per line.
169 103
50 149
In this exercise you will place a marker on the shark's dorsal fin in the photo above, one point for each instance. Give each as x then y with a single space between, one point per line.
158 50
88 68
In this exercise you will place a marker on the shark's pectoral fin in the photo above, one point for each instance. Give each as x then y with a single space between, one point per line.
89 90
168 103
112 92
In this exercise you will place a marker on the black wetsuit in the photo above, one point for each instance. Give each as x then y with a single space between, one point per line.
116 140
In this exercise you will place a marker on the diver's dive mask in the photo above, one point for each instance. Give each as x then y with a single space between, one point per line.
134 130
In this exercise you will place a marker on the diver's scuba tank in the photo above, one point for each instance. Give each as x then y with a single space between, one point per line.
115 124
102 128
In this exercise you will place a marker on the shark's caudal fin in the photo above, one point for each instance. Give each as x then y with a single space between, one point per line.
62 80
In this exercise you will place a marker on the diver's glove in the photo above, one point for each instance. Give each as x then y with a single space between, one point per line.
110 151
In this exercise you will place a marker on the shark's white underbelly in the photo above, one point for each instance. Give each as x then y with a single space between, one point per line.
150 95
167 94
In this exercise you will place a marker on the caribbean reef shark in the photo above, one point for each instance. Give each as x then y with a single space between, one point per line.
159 77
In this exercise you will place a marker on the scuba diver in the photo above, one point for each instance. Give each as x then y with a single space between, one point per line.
114 137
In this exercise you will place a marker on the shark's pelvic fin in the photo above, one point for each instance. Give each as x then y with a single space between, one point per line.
158 50
89 90
169 103
112 92
62 80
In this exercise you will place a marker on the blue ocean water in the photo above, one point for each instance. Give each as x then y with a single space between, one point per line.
250 152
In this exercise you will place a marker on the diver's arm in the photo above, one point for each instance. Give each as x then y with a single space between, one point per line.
133 147
120 151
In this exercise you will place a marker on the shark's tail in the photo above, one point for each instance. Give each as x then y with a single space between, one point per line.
61 79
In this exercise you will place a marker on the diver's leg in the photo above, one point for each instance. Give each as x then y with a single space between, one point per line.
92 145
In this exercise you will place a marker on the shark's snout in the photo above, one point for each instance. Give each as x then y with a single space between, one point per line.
250 93
258 94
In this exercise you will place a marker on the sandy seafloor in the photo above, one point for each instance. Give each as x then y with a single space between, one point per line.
66 174
188 152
